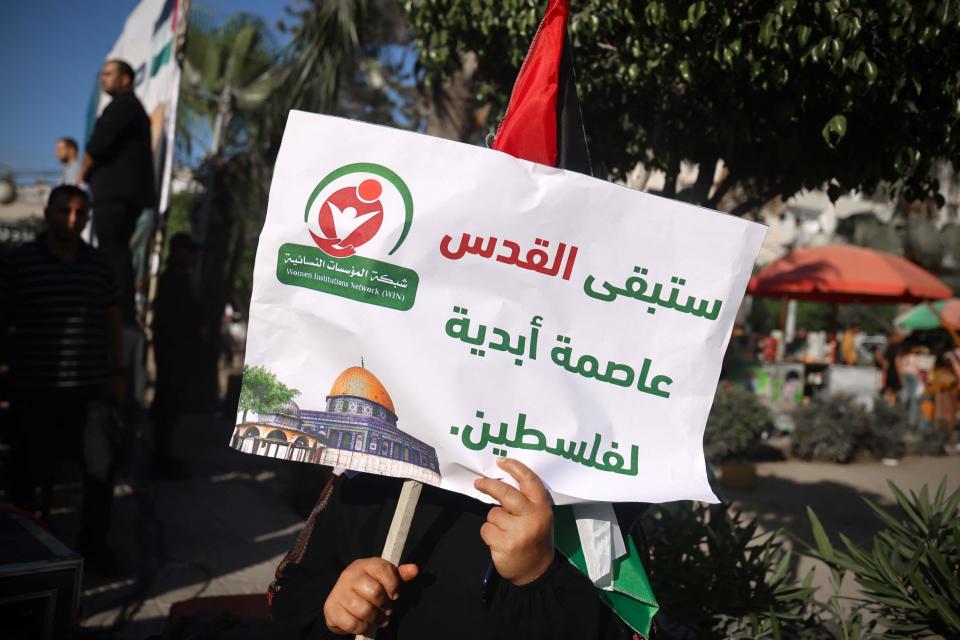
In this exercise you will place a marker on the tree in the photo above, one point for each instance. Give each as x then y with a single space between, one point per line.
343 58
229 72
262 392
790 95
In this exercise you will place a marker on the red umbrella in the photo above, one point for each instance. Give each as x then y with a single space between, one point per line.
846 273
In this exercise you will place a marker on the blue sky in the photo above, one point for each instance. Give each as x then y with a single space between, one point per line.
51 52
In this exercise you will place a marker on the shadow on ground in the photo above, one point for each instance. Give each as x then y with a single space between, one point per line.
219 529
781 503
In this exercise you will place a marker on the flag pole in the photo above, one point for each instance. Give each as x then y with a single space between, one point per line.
399 528
166 178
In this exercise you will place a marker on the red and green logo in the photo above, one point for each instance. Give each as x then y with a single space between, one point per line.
349 207
355 214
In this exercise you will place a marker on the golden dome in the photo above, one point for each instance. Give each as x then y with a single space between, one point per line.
360 383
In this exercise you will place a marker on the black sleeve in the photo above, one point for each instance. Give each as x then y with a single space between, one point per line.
306 576
561 604
108 129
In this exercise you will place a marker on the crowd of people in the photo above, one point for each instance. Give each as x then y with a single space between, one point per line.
924 381
919 371
69 322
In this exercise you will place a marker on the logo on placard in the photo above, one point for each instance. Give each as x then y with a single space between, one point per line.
355 214
347 208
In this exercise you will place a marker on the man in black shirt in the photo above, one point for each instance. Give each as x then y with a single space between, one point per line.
58 309
118 166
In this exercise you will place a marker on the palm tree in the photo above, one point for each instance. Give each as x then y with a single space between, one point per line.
229 73
346 57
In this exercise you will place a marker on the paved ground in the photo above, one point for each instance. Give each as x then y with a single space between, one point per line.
224 527
220 530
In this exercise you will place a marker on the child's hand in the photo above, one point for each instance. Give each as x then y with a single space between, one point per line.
362 598
520 531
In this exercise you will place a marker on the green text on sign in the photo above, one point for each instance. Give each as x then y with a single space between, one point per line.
357 278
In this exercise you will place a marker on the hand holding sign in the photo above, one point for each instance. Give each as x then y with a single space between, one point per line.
520 531
361 600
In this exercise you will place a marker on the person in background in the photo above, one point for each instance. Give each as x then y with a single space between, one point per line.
942 387
469 569
118 166
910 377
178 334
952 357
848 346
887 361
58 309
67 152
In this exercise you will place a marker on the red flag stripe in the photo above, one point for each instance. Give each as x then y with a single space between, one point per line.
529 128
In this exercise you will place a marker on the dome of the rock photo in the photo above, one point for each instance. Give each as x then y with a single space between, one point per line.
360 383
358 429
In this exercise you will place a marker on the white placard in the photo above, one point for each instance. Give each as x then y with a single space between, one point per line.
436 305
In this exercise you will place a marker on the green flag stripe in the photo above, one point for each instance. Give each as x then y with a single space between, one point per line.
161 58
632 597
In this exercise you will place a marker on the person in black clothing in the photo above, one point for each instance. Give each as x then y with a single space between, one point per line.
178 334
118 166
887 361
469 570
58 308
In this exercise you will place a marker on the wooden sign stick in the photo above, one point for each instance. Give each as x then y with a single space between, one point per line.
399 528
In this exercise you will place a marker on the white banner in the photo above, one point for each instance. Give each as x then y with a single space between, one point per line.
421 307
149 44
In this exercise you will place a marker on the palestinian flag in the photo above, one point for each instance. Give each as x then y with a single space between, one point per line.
543 124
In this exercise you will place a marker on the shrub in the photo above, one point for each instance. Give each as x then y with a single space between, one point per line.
927 442
716 576
830 429
888 426
736 425
910 579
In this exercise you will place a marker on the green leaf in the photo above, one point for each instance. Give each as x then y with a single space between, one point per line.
951 617
695 12
954 501
891 522
787 7
834 131
943 11
820 537
912 157
855 26
766 30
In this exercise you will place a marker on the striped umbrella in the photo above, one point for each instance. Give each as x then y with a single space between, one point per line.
928 316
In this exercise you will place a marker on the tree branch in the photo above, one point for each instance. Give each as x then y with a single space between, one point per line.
746 206
728 181
670 183
701 188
